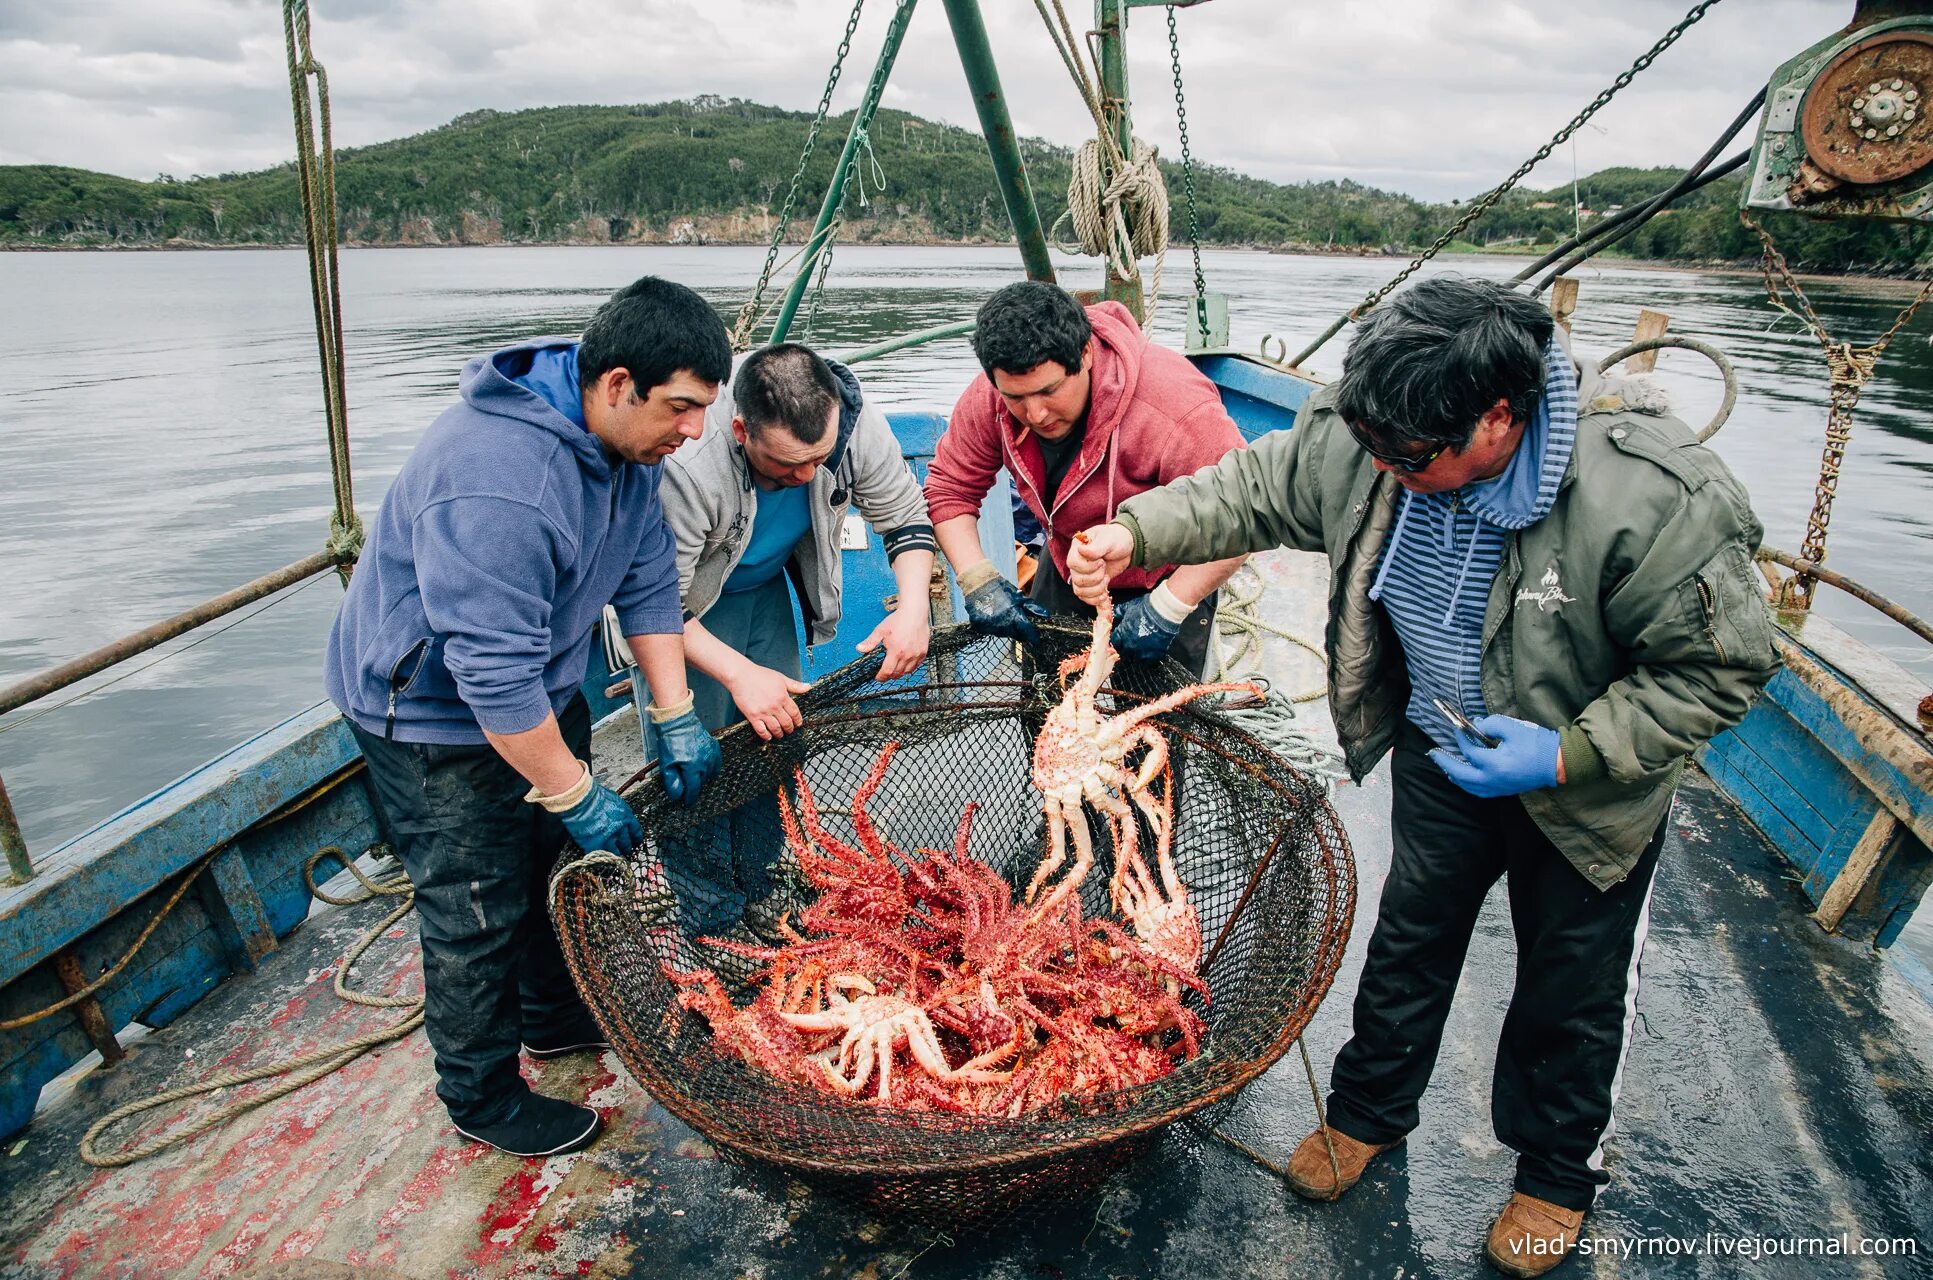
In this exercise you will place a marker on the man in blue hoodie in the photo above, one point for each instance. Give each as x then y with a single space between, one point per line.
457 656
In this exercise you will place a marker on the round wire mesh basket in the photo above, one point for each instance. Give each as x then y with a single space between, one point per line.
1256 842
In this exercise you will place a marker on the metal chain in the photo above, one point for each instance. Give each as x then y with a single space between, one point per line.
315 166
1849 368
1188 179
749 314
1483 204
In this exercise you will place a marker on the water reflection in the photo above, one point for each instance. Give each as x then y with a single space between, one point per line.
164 440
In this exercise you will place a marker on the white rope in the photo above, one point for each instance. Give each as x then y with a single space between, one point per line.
1273 721
1123 220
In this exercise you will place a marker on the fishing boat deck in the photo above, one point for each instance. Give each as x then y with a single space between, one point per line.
1779 1086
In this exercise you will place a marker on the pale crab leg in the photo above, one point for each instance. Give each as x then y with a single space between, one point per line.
1129 720
1083 860
1056 847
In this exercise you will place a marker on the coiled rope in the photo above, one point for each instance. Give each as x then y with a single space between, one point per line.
1119 211
1238 619
1117 204
300 1071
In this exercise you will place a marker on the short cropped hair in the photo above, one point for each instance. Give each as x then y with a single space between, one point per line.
1432 360
1027 324
786 384
654 328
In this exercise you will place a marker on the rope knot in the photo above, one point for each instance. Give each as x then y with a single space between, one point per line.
345 541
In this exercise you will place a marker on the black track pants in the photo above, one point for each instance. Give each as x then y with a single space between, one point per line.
1564 1038
480 857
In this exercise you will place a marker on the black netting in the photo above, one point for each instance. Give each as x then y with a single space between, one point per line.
1260 849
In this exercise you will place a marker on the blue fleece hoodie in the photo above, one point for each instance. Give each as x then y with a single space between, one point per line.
504 535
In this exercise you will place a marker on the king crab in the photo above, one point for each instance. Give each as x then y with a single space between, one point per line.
1081 757
876 1024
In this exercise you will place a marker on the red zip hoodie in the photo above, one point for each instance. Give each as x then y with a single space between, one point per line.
1152 417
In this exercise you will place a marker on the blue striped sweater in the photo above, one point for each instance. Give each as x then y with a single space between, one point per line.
1446 548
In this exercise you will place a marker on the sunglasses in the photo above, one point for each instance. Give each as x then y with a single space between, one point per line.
1408 463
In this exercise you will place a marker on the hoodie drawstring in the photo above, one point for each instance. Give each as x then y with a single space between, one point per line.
1389 552
1463 573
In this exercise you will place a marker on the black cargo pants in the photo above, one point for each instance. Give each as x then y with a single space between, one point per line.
480 857
1569 1023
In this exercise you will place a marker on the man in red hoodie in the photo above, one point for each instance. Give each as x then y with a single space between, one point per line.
1084 412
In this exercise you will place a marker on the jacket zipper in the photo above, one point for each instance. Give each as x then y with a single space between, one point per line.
1051 508
1709 600
398 686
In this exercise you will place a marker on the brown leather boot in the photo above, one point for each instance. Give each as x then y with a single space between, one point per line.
1531 1236
1313 1177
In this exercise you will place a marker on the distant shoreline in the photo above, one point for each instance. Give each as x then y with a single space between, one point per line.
1717 268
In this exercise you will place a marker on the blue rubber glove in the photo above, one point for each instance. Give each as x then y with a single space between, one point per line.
1524 759
601 820
1141 632
688 756
995 606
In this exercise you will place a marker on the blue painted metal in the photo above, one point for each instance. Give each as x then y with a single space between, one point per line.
91 877
252 894
1810 783
1259 397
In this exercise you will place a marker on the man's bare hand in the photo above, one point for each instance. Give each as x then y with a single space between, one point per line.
1096 556
764 698
905 632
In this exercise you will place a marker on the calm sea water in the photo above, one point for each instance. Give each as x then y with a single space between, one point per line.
161 440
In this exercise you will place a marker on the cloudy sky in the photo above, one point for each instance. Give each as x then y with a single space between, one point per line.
1438 98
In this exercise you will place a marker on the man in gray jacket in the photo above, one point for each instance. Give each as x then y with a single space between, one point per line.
1541 601
758 506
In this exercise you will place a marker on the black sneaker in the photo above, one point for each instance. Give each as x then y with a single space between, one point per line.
539 1127
577 1037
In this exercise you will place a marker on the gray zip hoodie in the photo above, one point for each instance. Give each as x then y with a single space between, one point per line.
710 501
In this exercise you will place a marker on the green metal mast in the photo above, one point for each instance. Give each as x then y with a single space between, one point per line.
1003 147
1111 24
862 119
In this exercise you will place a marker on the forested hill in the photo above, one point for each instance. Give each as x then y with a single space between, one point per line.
716 170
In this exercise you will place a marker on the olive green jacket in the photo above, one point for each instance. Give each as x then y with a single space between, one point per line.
1629 617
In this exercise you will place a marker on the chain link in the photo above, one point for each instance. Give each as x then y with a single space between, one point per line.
1849 368
1483 203
1188 179
750 313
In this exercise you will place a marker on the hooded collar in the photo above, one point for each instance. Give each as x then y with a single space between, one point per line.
1527 489
1516 499
852 400
519 382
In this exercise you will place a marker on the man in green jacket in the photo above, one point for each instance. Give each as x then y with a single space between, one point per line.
1568 574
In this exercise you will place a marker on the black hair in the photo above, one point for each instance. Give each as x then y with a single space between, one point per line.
787 384
654 329
1433 359
1027 324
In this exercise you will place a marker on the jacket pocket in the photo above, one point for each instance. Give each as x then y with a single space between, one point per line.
402 678
1736 620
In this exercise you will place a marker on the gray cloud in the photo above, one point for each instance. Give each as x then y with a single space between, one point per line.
1436 97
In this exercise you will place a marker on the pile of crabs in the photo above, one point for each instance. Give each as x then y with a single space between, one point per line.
915 980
